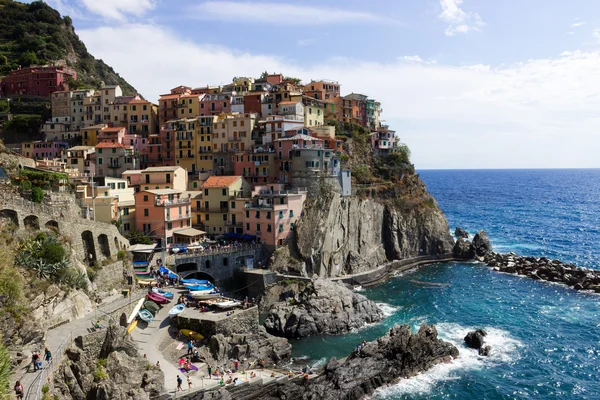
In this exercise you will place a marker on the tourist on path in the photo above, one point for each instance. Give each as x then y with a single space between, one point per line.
19 390
47 356
189 381
179 382
209 372
190 346
35 358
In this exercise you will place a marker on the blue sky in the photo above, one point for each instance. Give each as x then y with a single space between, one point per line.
465 83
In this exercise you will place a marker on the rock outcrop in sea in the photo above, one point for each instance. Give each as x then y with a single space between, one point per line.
398 354
476 340
106 365
461 233
465 250
348 235
322 307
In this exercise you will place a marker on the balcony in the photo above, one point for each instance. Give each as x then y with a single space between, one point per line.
179 217
187 156
236 224
173 202
114 165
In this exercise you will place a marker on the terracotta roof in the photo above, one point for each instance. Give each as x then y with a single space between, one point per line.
220 181
139 102
107 145
114 129
162 169
289 102
169 96
299 137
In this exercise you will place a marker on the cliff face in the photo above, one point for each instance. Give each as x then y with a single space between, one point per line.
349 235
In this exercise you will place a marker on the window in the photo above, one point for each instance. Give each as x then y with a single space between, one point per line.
280 227
224 217
291 213
268 214
269 228
99 151
147 178
146 212
145 197
224 192
195 185
170 226
233 204
126 227
247 213
125 211
207 217
257 214
280 214
291 225
168 177
99 161
257 227
206 192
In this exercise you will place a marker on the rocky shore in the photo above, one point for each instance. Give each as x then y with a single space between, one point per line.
398 354
322 307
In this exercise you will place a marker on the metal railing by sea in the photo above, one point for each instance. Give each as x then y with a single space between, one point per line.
191 253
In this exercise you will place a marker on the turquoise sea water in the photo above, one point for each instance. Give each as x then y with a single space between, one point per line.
545 337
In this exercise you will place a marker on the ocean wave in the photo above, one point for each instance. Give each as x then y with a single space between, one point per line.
320 362
359 289
388 309
505 349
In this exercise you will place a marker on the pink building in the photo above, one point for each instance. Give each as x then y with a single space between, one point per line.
285 147
41 150
164 214
111 135
271 213
258 166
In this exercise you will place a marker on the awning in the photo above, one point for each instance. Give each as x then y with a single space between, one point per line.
248 237
141 248
189 232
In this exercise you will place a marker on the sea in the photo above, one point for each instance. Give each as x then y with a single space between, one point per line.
545 337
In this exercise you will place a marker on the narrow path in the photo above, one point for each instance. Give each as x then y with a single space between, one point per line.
60 338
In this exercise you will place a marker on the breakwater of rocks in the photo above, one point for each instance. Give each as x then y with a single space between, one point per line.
545 269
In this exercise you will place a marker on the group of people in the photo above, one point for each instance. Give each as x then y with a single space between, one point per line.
180 382
36 360
360 347
163 279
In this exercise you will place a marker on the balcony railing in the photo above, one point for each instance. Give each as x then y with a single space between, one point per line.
167 203
113 165
236 224
178 217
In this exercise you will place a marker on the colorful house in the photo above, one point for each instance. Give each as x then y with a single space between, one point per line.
163 213
43 150
220 212
112 159
82 158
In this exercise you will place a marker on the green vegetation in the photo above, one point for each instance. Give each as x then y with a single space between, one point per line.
121 255
100 374
362 173
30 179
37 194
138 237
35 33
45 256
101 363
5 373
23 124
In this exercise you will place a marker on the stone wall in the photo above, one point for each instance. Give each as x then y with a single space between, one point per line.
220 266
62 214
112 276
316 183
241 322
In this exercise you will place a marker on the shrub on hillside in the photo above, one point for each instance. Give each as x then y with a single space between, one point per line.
37 194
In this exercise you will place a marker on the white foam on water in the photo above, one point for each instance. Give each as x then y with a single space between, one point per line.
359 289
319 363
504 350
388 309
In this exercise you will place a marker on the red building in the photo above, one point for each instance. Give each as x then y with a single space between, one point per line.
37 80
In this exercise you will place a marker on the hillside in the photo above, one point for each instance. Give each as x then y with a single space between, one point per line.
37 34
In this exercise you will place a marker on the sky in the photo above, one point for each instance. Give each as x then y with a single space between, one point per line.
464 83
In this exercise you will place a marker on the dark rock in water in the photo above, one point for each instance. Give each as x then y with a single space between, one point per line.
481 244
463 249
323 307
485 351
461 233
398 354
475 339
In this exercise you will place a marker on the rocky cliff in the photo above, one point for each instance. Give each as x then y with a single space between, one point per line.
348 235
323 307
106 365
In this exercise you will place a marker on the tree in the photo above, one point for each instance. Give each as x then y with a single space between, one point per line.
297 81
264 75
3 59
28 58
137 237
37 194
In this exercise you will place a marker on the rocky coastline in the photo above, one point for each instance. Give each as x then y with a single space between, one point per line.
321 307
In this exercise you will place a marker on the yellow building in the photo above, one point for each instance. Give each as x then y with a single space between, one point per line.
193 144
189 105
89 135
233 132
218 209
142 117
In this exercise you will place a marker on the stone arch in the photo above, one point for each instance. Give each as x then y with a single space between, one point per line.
52 225
9 216
201 275
104 246
187 267
88 245
31 222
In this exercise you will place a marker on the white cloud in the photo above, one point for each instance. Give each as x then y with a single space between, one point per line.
278 13
458 20
538 113
416 59
305 42
118 9
596 35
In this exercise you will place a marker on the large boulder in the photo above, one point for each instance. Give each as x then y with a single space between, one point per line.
322 307
481 244
475 339
463 249
461 233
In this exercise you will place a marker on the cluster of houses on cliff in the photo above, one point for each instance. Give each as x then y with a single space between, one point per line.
229 160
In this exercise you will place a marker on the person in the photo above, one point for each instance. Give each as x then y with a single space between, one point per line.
237 365
252 375
34 359
310 370
273 374
19 390
209 371
190 346
189 381
179 382
196 356
47 356
97 325
186 365
158 364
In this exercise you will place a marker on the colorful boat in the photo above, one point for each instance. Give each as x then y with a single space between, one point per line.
191 334
147 282
137 308
195 281
151 306
157 298
143 276
204 294
132 325
145 315
192 288
228 304
178 309
164 293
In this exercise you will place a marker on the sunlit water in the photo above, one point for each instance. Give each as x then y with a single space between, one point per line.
545 338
